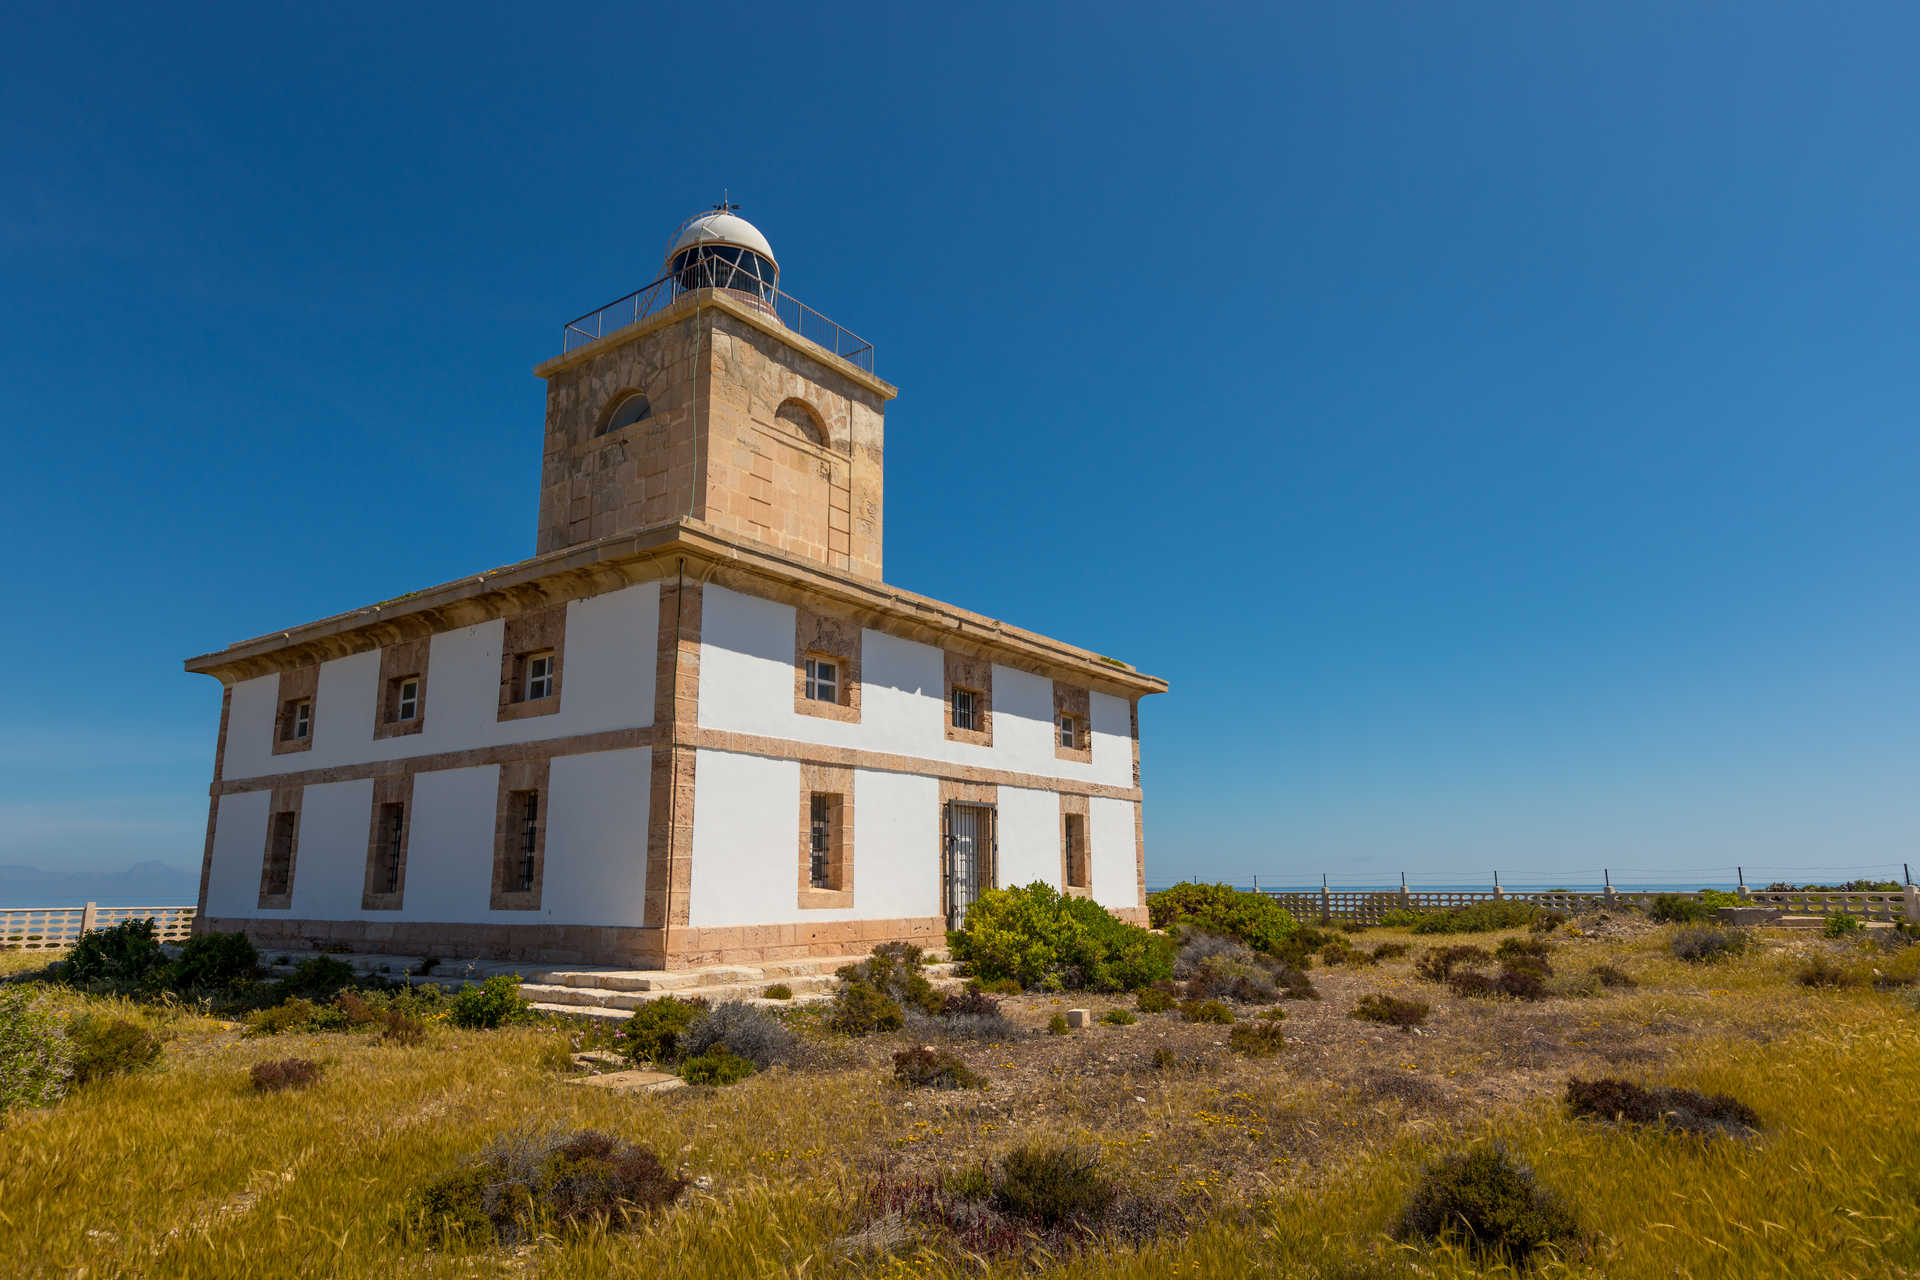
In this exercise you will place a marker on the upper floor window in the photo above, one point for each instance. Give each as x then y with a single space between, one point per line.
823 680
635 408
296 723
966 709
1069 732
406 702
539 675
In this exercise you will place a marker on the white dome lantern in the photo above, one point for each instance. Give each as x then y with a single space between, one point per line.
721 250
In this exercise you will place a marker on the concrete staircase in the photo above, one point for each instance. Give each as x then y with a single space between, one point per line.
615 993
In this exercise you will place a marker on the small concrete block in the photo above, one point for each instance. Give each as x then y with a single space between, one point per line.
1079 1018
632 1081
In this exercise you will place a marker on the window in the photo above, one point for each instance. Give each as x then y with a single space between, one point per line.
279 878
296 721
821 838
1069 732
393 829
823 680
526 808
406 703
539 675
1073 839
635 408
966 709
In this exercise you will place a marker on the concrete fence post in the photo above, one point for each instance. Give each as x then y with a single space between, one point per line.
87 917
1912 895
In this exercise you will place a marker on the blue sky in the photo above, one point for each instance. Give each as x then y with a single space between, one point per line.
1497 421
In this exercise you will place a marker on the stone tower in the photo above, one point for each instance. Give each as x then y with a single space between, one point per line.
715 408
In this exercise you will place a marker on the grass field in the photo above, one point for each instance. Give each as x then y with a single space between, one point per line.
1294 1165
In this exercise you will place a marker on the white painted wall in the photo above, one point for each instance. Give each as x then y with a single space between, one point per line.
1029 837
606 683
330 862
1116 880
239 847
450 849
746 686
746 844
597 838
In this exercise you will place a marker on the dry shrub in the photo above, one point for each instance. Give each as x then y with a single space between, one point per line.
400 1028
1256 1039
1608 976
1118 1018
1393 1011
1515 983
1523 949
1155 999
1437 964
105 1047
925 1067
777 991
1824 971
1682 1109
1211 1011
528 1183
743 1030
1702 946
284 1073
1390 951
1490 1203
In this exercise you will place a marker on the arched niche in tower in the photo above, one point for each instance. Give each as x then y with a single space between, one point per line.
623 410
799 417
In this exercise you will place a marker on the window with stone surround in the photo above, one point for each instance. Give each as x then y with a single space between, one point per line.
403 690
385 884
282 851
826 666
294 723
520 836
1073 723
826 836
1073 848
969 699
532 663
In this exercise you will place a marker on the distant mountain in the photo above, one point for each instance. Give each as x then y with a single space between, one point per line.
144 884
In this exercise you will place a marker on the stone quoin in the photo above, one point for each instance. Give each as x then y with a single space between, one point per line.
696 727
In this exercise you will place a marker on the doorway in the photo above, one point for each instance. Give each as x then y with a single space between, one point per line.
969 832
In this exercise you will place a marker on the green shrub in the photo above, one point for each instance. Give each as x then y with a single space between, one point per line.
1548 921
1393 1011
778 991
1671 908
1705 945
1118 1018
1038 936
1683 1109
1002 987
1210 1011
1275 1014
1052 1184
894 970
1256 1039
400 1028
1390 951
1153 999
317 978
1479 917
925 1067
719 1065
127 955
1714 899
528 1183
653 1033
1841 925
860 1008
36 1060
284 1073
494 1003
214 962
1057 1025
1400 918
296 1014
105 1047
1523 949
1254 918
1486 1201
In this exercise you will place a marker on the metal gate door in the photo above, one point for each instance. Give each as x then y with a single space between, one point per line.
969 854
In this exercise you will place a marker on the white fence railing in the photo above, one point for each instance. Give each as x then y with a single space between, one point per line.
1368 906
50 928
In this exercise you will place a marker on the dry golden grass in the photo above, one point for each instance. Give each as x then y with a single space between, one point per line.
1294 1166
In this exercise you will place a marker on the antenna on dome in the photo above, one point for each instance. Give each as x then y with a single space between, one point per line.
723 206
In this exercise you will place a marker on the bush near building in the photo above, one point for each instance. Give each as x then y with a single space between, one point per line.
1253 918
527 1184
494 1003
1039 937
